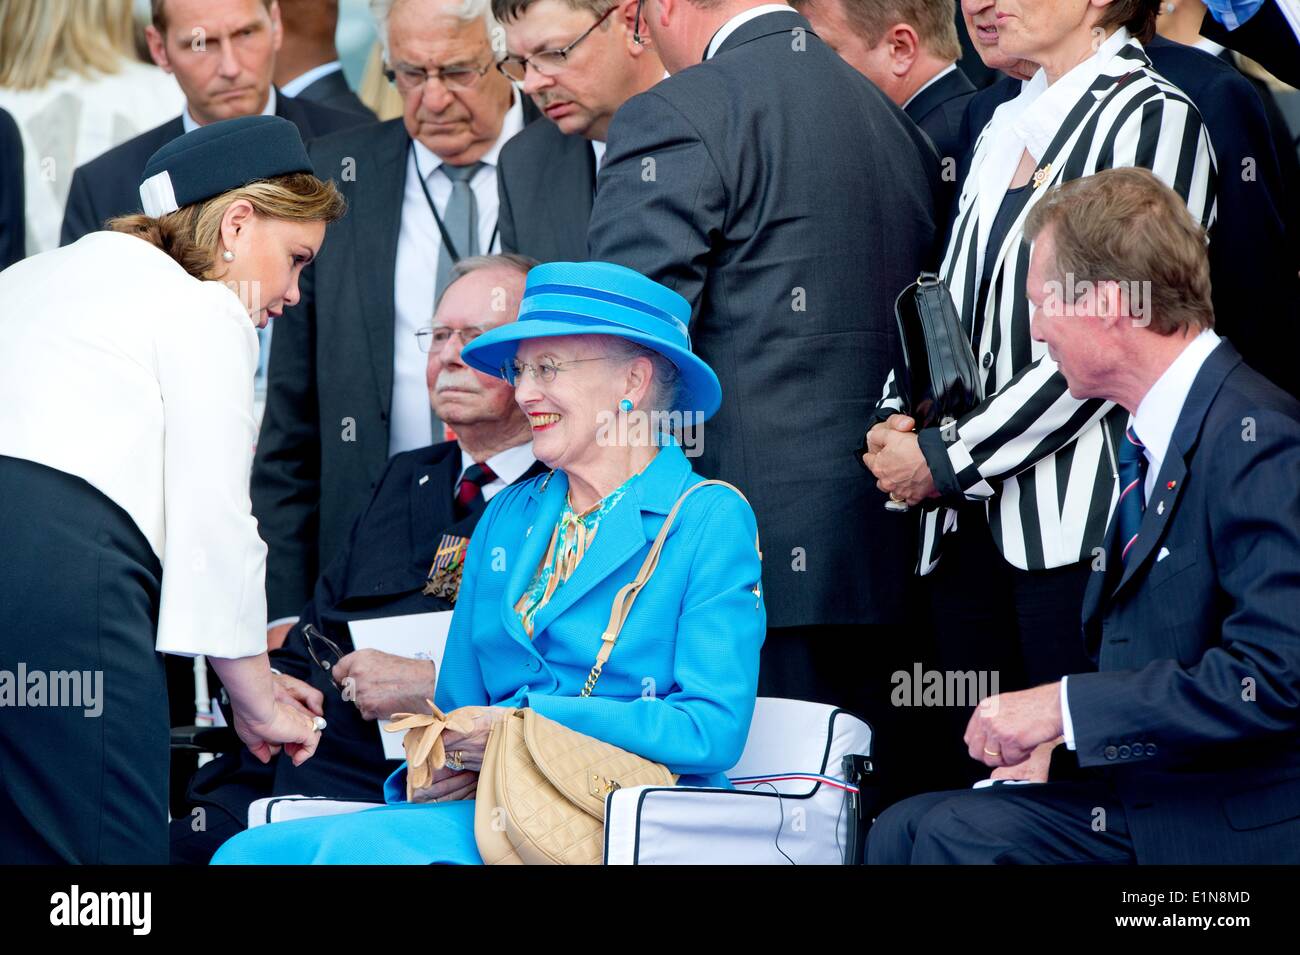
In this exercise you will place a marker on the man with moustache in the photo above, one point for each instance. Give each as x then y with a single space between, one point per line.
222 53
400 558
579 61
346 383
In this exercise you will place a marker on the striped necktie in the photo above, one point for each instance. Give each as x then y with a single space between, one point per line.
1132 494
469 492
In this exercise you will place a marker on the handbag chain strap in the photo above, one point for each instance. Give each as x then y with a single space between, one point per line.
627 594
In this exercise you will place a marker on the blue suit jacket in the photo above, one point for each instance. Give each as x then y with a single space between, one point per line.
680 685
1195 713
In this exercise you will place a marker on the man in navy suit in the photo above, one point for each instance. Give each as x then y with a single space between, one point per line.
427 500
222 53
1182 747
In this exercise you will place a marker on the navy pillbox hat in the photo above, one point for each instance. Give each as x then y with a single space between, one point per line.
218 157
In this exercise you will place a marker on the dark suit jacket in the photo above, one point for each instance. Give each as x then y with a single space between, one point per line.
13 200
109 185
380 572
790 228
332 91
1253 276
938 110
1267 38
546 181
1195 711
324 438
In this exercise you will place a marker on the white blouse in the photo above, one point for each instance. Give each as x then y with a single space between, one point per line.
118 367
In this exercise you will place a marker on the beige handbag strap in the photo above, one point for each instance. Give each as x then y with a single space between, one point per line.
626 596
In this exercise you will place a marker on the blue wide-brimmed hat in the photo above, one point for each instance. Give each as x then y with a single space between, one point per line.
600 298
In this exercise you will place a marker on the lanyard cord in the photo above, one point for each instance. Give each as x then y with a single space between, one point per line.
449 245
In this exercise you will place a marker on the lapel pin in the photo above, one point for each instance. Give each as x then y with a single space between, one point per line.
1171 485
1160 508
1041 175
424 480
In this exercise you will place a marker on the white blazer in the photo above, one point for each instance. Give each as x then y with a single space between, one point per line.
118 367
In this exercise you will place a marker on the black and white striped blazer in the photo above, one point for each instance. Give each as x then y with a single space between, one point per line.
1043 461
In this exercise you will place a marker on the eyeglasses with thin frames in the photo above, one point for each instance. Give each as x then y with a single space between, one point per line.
544 371
324 651
435 336
455 78
546 62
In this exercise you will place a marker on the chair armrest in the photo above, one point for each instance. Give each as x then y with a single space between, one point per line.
283 808
678 825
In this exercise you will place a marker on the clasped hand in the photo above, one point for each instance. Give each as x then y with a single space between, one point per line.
894 457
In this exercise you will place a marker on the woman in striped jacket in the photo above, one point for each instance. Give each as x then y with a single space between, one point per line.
1038 463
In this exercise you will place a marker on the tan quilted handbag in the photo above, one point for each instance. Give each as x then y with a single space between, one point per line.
541 791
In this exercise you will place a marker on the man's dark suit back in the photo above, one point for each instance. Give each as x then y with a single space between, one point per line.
1195 711
546 181
789 201
109 185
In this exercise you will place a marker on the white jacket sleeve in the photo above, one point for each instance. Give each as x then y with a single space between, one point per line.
214 562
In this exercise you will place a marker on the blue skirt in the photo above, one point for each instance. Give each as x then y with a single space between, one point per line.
398 834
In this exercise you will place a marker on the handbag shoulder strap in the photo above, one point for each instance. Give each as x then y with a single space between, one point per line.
627 594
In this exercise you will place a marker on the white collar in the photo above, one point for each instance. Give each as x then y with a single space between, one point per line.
190 123
598 148
304 80
1043 108
427 161
1206 45
739 20
508 465
930 82
1158 411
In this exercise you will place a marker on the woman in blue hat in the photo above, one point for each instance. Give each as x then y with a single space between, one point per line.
126 379
600 359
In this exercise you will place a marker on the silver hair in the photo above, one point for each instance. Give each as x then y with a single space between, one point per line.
665 378
467 11
475 263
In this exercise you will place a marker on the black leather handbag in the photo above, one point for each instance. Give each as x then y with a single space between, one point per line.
936 375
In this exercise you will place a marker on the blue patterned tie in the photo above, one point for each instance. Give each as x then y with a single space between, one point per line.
1132 491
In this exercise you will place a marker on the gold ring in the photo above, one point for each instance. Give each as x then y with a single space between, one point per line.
456 760
990 752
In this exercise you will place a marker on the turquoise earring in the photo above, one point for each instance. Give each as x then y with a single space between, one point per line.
625 405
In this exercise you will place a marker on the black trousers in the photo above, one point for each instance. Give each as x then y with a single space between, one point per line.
1025 627
852 666
1036 823
79 596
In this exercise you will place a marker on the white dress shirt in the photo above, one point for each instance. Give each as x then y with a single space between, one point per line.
300 83
415 277
121 369
508 466
191 124
1157 416
739 20
598 148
